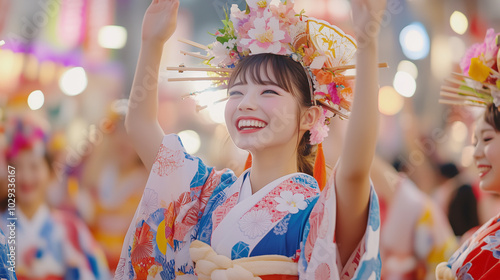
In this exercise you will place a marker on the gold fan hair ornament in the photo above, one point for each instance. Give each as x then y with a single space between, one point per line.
323 49
479 83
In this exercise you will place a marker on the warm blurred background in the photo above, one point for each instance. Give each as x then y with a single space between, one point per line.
71 63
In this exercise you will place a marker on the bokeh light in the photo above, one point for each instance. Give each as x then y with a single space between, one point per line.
112 37
414 41
404 84
408 67
74 81
190 140
36 100
339 9
389 101
458 131
11 67
459 22
216 112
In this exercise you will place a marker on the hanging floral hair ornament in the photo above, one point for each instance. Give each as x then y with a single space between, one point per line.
479 83
324 50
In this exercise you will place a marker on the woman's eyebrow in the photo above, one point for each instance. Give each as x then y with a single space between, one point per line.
267 83
270 82
485 130
240 83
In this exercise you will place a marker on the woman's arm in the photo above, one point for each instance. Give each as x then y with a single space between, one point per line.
141 121
352 178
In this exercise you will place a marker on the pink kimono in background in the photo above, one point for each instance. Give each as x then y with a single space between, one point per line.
184 200
415 235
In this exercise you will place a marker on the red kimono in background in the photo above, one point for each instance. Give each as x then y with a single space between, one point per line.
479 256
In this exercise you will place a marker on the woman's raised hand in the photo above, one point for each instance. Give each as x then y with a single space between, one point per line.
367 16
160 21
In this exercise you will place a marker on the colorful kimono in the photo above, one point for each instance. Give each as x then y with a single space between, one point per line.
479 257
56 245
184 200
7 257
415 235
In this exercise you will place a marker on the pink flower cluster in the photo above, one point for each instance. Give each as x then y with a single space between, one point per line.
486 51
320 130
265 29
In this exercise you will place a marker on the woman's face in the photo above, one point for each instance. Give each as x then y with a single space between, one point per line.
32 176
259 116
487 156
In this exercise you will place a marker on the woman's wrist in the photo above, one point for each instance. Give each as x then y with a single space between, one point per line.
152 45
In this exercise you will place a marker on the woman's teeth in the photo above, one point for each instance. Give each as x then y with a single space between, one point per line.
250 124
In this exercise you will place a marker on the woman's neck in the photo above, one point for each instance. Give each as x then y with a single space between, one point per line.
270 165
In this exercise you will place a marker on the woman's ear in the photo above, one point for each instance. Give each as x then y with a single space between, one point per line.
310 117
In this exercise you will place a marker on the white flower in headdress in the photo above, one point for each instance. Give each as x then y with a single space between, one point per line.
222 53
258 4
266 36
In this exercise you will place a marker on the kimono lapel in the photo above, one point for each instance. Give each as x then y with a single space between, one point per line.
248 221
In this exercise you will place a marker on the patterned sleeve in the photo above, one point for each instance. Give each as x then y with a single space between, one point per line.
319 257
177 191
7 268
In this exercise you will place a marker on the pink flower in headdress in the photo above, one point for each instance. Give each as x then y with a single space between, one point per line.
237 16
285 13
222 53
242 33
320 130
332 91
486 51
258 5
266 36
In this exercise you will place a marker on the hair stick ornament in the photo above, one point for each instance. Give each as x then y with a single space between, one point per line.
479 82
323 49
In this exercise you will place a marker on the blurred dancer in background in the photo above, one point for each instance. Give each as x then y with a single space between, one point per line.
51 244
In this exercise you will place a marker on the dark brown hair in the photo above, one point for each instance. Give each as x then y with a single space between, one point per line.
290 76
492 116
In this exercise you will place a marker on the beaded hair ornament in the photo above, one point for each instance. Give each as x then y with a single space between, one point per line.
479 83
323 49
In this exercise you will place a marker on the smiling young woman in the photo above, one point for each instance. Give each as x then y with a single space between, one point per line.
196 222
479 256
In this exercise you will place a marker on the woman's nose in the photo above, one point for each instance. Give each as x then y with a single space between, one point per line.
247 103
478 151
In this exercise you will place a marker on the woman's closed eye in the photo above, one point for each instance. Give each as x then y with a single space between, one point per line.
270 91
234 93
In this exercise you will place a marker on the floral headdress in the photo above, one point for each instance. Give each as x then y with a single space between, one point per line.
479 82
324 50
23 134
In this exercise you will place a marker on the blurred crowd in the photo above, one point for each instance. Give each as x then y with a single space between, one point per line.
74 210
78 180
